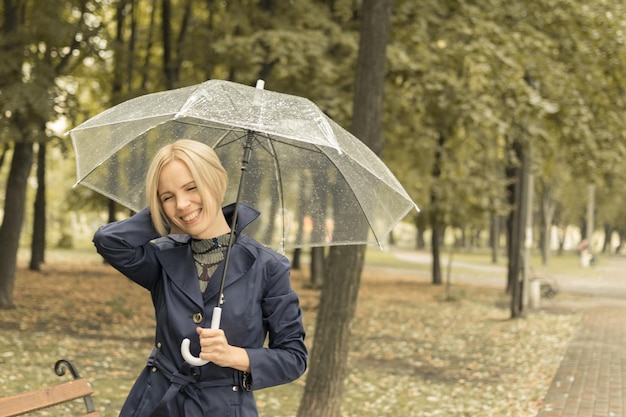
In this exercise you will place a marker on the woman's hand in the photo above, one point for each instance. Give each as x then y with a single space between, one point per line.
215 348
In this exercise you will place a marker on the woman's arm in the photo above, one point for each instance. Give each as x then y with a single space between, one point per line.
285 358
126 246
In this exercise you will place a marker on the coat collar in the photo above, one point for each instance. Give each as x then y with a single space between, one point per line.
245 216
178 263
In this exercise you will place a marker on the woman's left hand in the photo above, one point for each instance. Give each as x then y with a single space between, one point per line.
215 348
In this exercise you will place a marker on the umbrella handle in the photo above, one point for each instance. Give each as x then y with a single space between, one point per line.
184 346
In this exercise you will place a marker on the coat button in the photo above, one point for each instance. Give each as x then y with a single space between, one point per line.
154 369
197 318
159 345
235 388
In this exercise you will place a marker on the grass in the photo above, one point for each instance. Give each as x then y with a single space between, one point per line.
415 351
566 264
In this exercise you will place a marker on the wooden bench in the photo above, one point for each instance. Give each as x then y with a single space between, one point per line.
30 401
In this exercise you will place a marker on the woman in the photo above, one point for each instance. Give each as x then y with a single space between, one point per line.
175 249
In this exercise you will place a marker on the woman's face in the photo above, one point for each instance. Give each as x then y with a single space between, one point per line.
182 203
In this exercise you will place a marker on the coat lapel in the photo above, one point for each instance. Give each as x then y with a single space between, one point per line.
179 267
241 260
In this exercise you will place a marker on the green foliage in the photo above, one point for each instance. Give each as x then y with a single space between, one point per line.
477 73
42 46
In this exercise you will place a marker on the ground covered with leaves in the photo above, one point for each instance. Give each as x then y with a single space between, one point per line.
415 350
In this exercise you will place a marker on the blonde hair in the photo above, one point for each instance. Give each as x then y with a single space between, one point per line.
206 170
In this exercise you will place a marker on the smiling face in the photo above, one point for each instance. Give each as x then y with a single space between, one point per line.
182 202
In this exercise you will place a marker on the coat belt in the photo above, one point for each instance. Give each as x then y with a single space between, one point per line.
183 381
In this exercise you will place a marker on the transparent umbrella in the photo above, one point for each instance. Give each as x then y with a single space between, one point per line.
314 182
305 173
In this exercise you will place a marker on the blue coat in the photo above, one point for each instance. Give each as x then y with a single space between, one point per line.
258 302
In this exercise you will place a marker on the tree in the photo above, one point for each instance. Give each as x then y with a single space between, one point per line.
38 45
458 75
38 243
22 126
328 361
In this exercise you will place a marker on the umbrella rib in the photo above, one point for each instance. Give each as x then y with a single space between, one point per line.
271 150
281 195
340 172
271 139
218 142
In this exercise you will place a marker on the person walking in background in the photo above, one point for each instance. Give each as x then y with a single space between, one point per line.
175 248
587 258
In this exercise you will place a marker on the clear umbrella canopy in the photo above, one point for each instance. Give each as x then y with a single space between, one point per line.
314 183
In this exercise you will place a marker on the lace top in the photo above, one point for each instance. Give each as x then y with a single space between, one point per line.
207 254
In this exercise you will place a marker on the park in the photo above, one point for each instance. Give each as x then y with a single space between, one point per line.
489 130
415 351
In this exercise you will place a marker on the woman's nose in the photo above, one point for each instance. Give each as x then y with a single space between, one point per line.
182 202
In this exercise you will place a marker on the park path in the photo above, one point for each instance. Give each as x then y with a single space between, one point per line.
591 379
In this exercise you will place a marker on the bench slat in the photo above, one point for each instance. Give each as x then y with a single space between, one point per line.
45 397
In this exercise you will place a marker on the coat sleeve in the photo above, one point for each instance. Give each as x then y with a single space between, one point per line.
285 357
126 246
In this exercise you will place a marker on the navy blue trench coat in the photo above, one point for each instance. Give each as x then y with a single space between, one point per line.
259 303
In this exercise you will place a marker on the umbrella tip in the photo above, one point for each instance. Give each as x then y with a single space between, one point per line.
260 84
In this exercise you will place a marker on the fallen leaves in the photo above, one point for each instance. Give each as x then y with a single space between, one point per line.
427 357
412 353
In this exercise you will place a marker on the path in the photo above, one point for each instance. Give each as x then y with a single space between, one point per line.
591 379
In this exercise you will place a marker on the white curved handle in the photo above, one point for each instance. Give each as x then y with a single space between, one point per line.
184 346
188 357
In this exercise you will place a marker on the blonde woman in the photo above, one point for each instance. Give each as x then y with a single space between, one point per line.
175 249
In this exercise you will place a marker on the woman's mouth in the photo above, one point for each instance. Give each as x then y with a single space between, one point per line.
191 216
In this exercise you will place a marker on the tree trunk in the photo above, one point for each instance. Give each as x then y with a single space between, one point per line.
328 360
145 68
169 69
608 232
494 237
5 149
436 251
561 241
511 173
591 210
435 223
517 238
622 238
295 259
317 267
548 208
323 393
320 181
172 48
38 242
112 211
11 229
420 242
